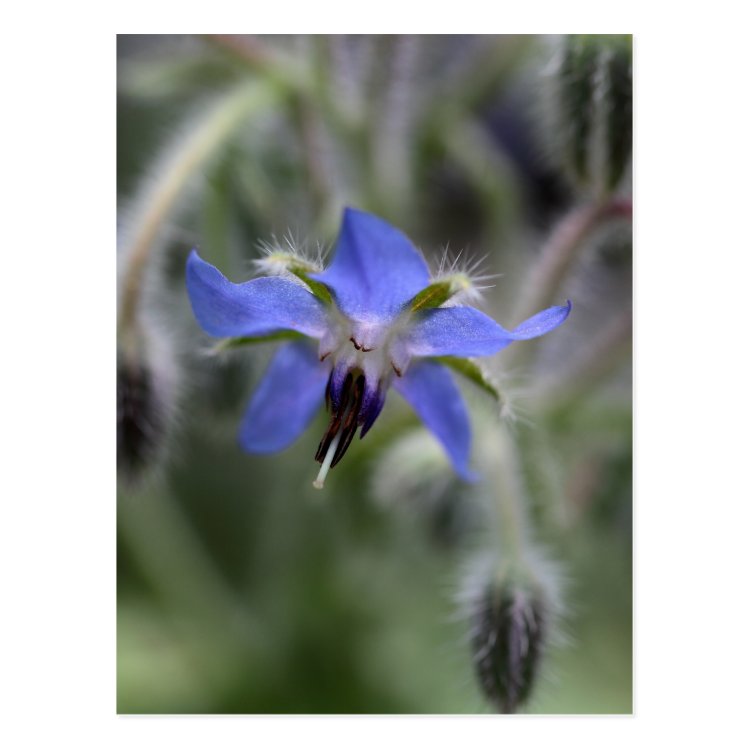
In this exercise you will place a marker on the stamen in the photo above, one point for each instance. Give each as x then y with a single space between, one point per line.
351 421
321 478
359 346
343 425
337 417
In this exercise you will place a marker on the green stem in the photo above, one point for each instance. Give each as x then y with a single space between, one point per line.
347 126
555 261
506 486
263 59
158 201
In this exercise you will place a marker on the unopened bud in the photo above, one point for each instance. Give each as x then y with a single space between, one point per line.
592 102
509 633
413 475
147 392
140 418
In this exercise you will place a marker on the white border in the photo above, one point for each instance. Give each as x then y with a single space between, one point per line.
58 516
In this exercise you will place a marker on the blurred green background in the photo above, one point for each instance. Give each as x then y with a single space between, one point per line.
241 589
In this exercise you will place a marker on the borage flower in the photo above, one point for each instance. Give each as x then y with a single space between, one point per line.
371 320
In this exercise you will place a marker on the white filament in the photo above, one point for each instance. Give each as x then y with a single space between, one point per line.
321 478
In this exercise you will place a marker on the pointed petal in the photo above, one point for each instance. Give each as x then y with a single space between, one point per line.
376 270
255 308
287 398
467 332
543 322
431 392
372 405
456 331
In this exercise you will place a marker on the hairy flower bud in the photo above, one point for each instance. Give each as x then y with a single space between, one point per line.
147 391
509 634
512 600
591 107
140 418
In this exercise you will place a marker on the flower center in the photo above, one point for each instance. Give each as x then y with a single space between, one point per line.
365 357
354 403
345 418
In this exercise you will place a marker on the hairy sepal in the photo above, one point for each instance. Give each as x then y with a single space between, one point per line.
238 342
473 371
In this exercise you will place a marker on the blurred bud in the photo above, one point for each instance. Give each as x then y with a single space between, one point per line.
591 108
618 107
147 380
513 610
413 474
509 632
140 419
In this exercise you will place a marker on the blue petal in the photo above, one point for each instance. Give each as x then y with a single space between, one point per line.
542 322
433 395
255 308
287 398
466 332
376 270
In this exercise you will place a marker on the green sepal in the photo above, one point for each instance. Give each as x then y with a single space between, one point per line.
472 370
318 289
240 341
291 263
433 295
440 291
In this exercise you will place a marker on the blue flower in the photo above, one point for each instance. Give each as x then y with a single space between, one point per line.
373 319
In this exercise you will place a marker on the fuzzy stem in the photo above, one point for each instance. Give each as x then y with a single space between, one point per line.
390 127
179 165
510 522
555 261
349 127
303 116
262 59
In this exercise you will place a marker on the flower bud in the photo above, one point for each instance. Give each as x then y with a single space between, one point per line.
413 475
140 417
591 109
513 602
147 391
509 633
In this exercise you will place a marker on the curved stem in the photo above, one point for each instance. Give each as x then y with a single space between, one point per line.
556 259
261 58
159 200
560 251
